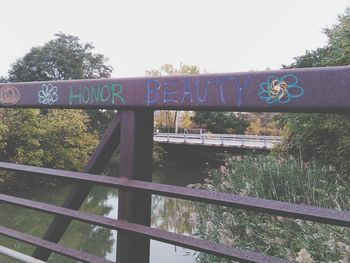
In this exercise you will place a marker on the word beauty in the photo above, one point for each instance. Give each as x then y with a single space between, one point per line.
195 91
9 95
90 94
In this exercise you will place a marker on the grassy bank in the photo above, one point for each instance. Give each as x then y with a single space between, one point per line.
283 180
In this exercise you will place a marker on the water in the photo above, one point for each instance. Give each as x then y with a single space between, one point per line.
167 213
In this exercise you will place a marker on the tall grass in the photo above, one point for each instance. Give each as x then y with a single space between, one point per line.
283 180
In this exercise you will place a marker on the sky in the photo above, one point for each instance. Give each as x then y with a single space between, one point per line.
219 36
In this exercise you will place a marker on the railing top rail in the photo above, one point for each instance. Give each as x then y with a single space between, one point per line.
294 90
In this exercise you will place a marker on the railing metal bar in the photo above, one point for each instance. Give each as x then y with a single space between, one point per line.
18 256
156 234
311 213
59 249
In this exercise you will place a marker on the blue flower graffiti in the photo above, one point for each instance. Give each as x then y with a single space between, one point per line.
48 94
280 90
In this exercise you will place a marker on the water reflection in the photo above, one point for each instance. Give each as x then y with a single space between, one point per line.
171 214
167 213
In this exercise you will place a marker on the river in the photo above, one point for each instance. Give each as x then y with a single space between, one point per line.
167 213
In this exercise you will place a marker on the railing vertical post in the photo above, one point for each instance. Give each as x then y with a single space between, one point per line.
135 163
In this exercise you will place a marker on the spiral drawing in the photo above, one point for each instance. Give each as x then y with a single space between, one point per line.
280 90
9 95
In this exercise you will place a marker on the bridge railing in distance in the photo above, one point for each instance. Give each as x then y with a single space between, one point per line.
222 140
297 90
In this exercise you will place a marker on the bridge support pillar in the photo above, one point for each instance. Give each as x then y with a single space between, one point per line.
135 163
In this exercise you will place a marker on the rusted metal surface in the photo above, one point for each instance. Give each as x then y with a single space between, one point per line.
59 249
99 159
312 89
135 163
139 230
311 213
294 90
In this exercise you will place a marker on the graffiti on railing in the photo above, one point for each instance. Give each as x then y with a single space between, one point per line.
9 95
190 91
48 94
111 93
280 90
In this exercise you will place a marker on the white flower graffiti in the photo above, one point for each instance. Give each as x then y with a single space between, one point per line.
48 94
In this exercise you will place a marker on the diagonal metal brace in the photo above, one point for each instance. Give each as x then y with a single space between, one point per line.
98 161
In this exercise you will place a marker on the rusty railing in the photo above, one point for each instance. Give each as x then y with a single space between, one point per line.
298 90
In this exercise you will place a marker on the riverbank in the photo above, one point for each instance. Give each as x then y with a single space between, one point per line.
277 179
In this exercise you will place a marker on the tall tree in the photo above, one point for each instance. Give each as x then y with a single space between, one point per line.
64 58
55 138
325 137
61 58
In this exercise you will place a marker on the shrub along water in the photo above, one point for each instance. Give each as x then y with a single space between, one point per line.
278 179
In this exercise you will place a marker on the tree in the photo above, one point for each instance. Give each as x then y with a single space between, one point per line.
325 137
64 58
55 138
169 69
59 59
20 141
66 142
221 122
337 50
262 123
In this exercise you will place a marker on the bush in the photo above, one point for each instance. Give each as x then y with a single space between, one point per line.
278 179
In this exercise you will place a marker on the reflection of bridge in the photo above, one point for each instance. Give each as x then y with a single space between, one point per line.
219 140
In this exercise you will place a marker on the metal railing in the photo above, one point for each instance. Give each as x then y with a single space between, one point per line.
303 90
220 140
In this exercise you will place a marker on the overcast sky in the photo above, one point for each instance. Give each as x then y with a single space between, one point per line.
218 36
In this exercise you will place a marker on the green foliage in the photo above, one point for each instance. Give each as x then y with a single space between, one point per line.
58 139
283 180
22 137
322 136
169 69
221 122
61 58
262 123
337 50
67 144
53 138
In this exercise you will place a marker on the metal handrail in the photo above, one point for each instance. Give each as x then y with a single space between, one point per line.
136 99
223 140
18 256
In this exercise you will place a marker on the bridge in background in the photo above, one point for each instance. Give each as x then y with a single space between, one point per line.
219 140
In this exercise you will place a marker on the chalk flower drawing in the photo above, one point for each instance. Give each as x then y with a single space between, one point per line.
280 90
48 94
9 95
